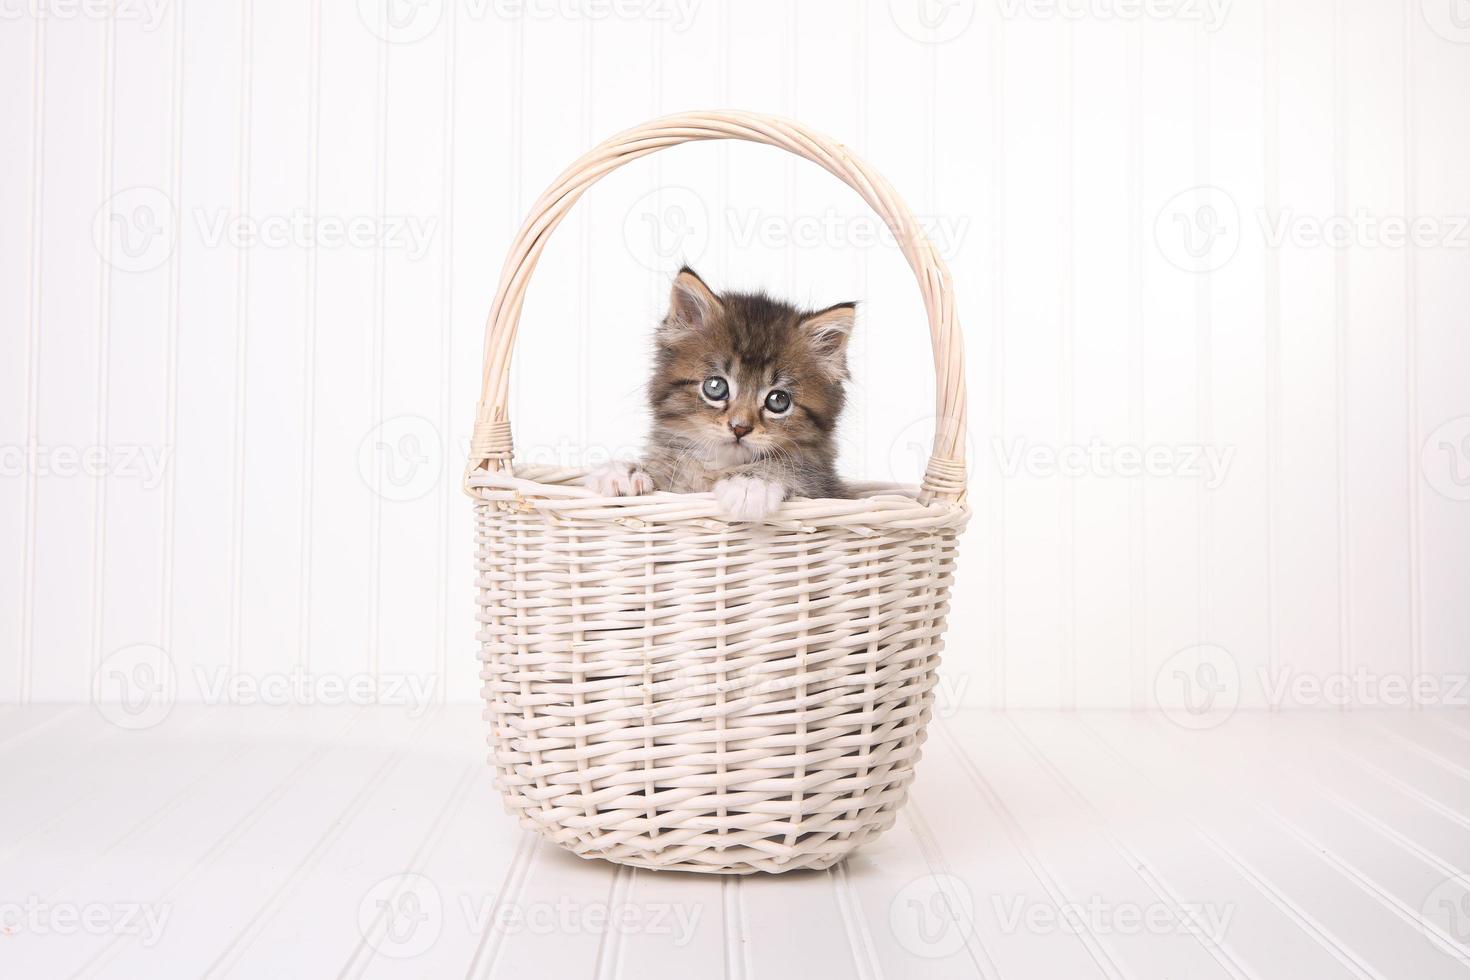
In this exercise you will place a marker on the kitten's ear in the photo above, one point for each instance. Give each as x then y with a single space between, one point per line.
692 304
828 331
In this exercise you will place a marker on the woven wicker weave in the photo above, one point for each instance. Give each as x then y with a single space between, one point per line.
666 689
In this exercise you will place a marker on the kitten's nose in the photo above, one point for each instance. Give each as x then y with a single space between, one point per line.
740 429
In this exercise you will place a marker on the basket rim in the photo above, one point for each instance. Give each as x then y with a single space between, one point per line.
557 493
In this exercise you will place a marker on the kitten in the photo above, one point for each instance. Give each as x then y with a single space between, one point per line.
745 396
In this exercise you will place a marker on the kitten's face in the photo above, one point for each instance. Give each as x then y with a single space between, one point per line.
744 377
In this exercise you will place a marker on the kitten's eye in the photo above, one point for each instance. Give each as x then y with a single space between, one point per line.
716 389
778 401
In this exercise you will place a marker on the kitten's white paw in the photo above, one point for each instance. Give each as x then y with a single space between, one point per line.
618 480
746 498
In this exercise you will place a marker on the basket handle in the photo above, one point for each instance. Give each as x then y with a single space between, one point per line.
490 443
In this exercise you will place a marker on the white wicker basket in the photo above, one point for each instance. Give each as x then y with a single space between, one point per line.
666 689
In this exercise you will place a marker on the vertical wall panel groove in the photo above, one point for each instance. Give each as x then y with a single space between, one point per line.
588 136
1271 43
517 185
1415 436
1137 534
309 341
1203 328
997 537
446 353
1066 375
33 353
379 285
103 375
242 337
1340 149
171 365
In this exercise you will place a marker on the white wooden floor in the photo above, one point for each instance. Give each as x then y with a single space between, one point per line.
363 842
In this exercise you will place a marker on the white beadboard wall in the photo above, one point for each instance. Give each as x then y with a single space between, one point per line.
236 435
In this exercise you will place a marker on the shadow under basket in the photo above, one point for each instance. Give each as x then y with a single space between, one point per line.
668 689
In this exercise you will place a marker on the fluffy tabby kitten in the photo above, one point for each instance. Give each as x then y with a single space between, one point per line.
745 396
